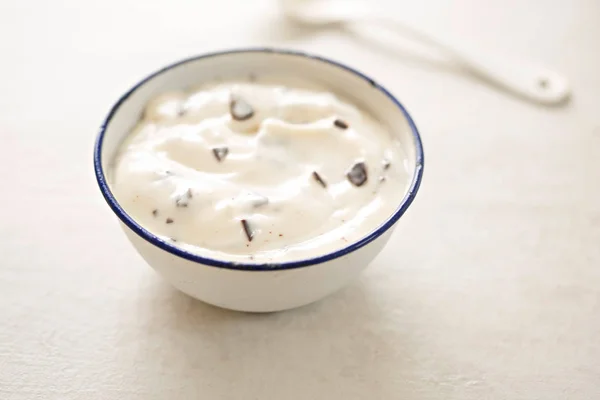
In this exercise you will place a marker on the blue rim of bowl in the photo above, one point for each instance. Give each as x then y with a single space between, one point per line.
160 243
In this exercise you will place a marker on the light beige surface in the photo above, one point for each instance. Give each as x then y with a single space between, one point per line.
489 289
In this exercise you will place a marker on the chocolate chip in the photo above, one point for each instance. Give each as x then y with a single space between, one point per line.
239 109
318 178
357 175
169 220
247 230
173 239
155 212
340 124
386 163
220 152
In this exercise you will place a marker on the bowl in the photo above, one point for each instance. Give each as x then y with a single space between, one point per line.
258 287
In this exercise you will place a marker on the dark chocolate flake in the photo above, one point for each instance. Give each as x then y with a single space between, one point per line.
318 178
249 232
386 163
239 109
169 220
340 124
357 175
155 212
381 179
220 152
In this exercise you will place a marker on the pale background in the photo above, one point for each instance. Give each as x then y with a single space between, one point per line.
489 288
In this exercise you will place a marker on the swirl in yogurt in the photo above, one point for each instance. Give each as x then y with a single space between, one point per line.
255 171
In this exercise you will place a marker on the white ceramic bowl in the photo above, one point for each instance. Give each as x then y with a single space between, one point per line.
251 287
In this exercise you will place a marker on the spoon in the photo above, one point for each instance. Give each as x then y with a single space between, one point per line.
522 78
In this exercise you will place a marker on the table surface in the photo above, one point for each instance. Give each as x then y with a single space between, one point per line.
489 288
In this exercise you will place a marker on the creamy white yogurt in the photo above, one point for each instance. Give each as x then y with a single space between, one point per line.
258 172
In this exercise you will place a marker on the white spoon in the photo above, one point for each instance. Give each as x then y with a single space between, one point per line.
522 78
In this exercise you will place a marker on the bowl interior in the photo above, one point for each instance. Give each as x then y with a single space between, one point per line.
345 82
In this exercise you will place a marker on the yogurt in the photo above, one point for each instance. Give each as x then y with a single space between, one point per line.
258 172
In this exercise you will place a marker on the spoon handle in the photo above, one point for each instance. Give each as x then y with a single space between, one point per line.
519 77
